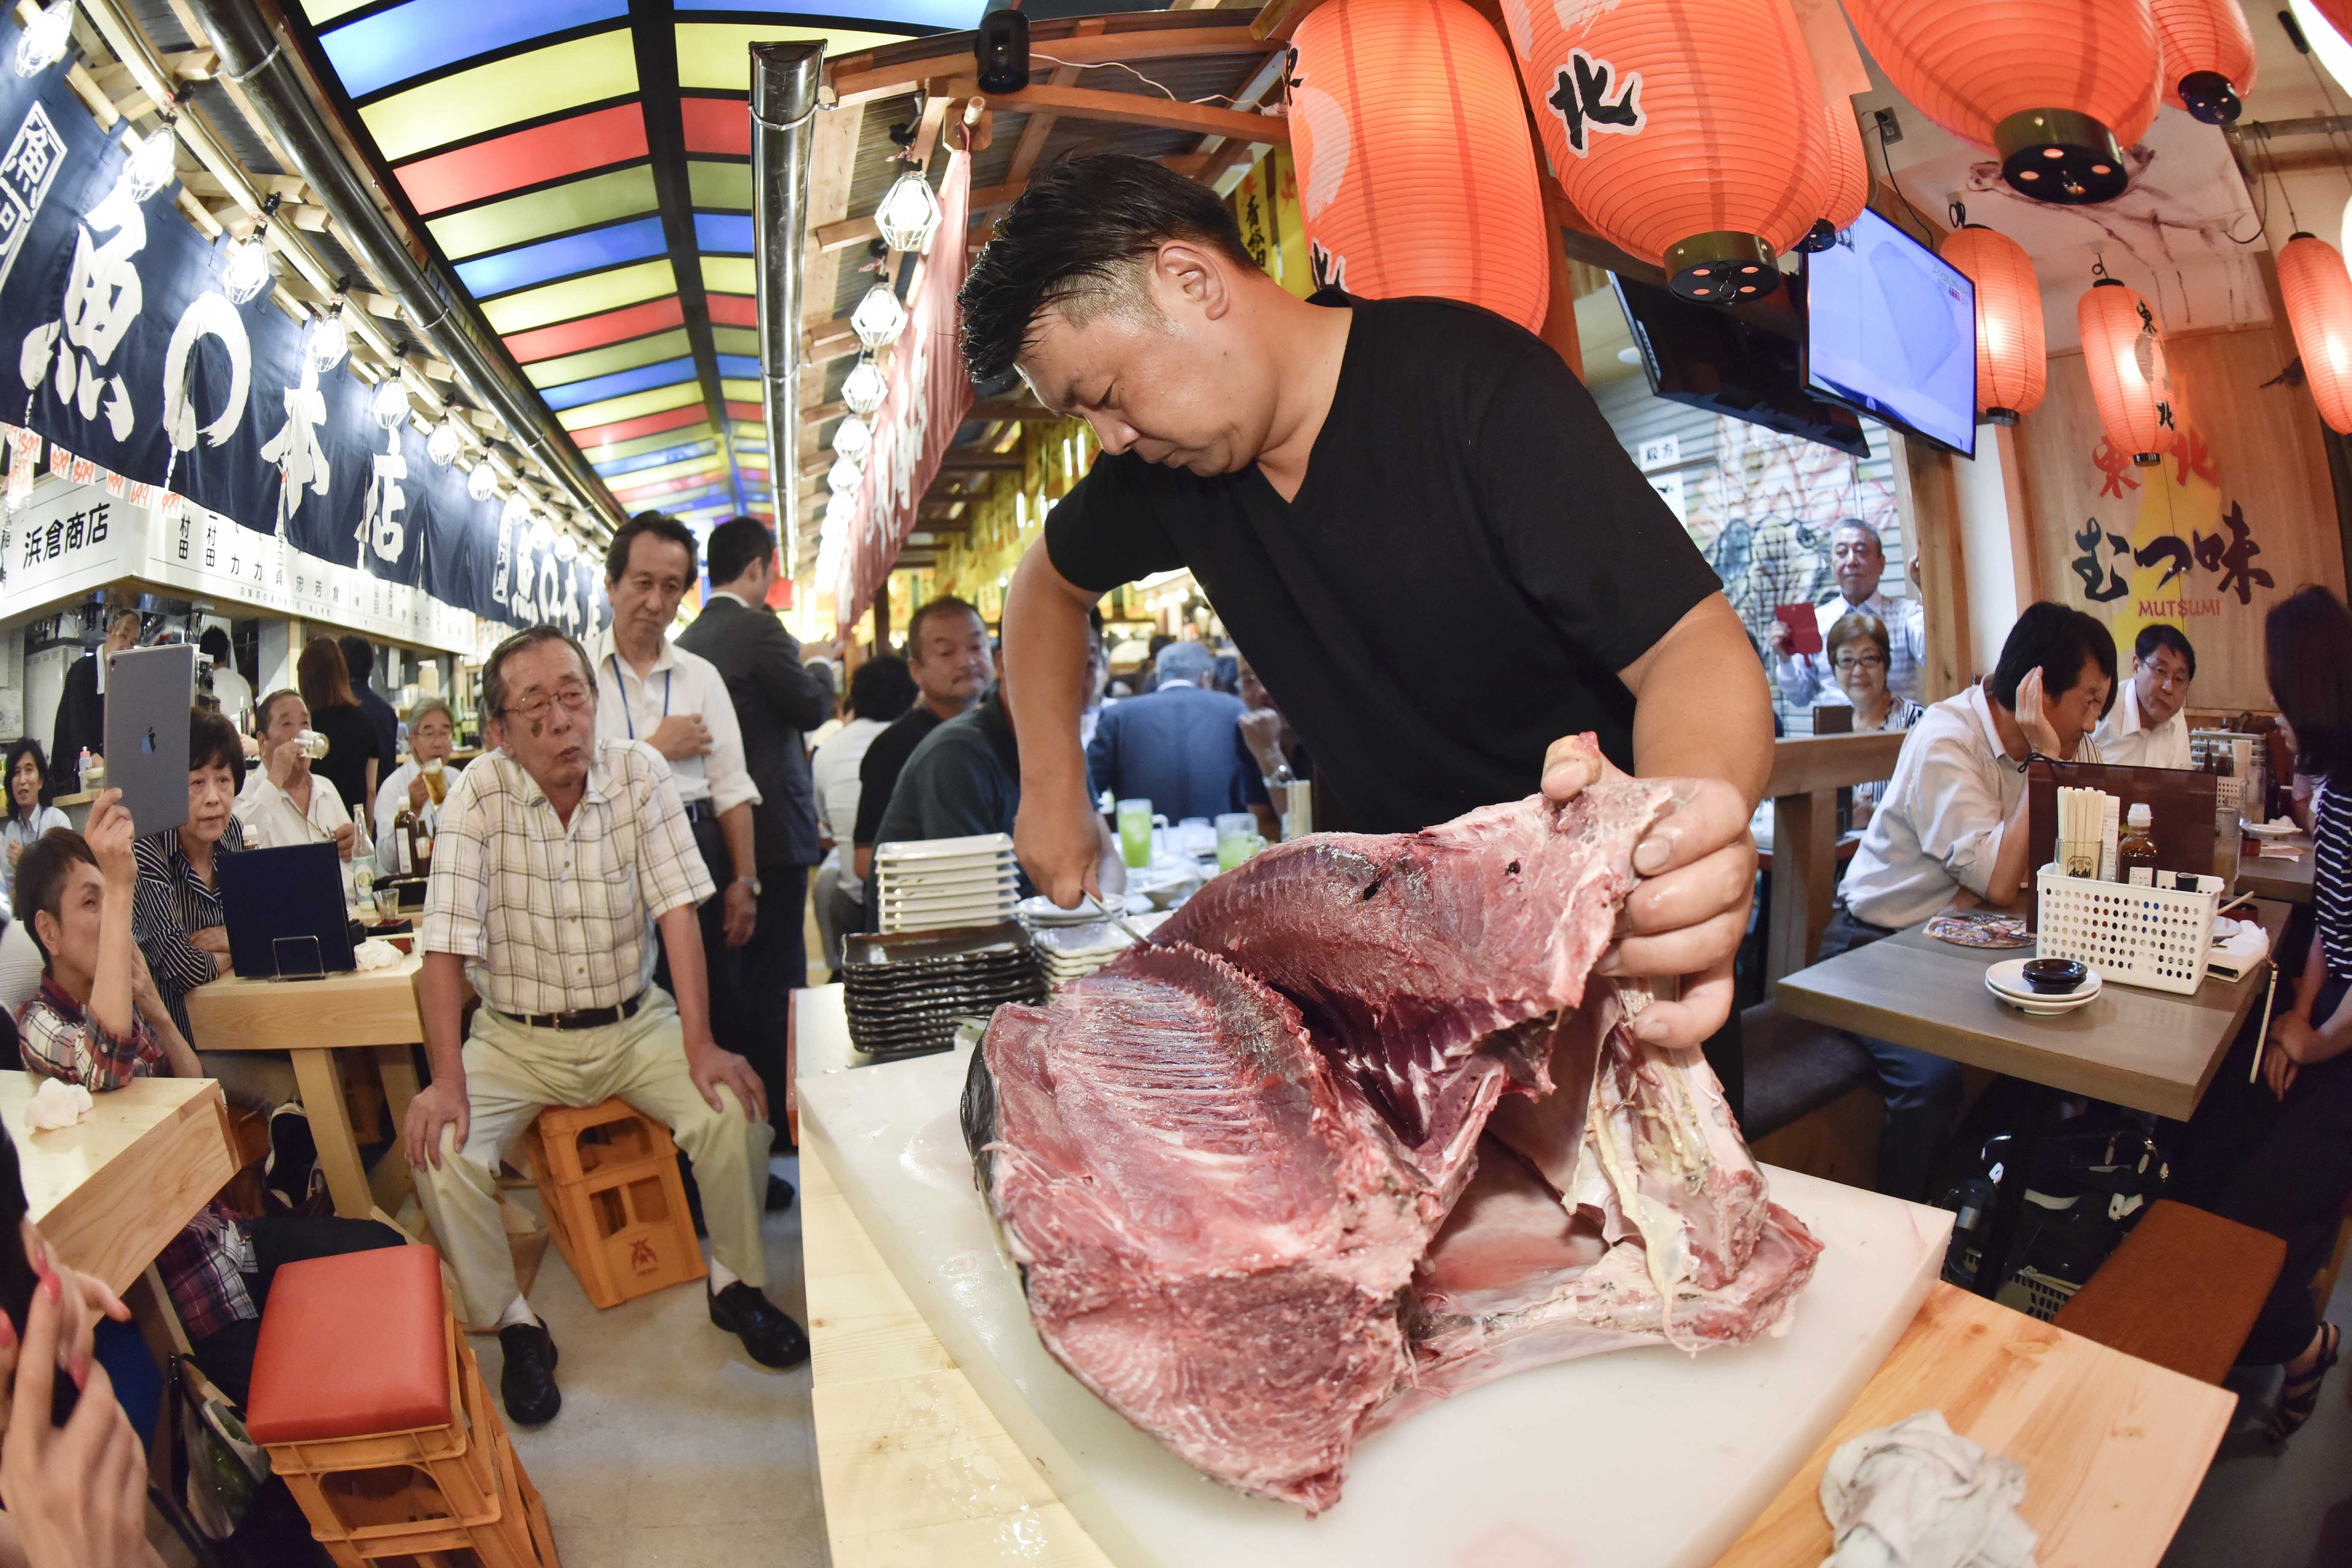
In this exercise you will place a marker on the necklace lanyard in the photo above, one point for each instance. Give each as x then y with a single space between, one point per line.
621 681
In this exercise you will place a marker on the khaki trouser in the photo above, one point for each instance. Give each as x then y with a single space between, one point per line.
513 1070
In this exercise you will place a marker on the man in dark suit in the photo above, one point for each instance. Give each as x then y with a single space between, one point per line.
359 658
81 706
776 701
1180 746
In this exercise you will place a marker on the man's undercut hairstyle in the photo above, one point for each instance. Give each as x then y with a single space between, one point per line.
946 604
2058 641
41 876
1073 241
661 525
2156 634
494 673
736 546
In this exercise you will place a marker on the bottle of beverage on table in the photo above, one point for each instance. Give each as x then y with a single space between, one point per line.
404 839
2136 851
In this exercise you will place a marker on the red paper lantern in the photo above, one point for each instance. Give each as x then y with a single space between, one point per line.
1688 132
2057 87
1415 175
2209 57
2012 349
2123 350
2319 307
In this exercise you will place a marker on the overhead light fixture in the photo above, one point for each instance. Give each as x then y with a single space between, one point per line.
444 445
482 483
517 509
864 388
244 272
542 533
152 163
853 438
43 42
391 405
844 477
329 342
879 318
566 548
909 213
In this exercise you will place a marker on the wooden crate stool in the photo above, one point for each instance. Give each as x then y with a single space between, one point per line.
373 1410
616 1204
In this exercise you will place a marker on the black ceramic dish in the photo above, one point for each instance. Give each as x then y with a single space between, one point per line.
2055 976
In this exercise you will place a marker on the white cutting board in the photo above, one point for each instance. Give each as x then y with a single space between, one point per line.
1617 1461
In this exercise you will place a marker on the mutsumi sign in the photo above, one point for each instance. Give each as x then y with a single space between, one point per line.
119 344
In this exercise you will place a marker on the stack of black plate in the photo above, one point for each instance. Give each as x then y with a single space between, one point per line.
905 993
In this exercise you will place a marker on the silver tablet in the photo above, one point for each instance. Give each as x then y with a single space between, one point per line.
149 694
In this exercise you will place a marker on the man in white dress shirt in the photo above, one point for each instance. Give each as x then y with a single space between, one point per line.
1859 562
2148 727
650 690
283 802
560 857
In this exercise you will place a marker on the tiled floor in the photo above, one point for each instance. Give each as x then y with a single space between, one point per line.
2284 1508
672 1447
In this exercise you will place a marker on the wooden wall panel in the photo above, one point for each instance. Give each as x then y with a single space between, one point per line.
2240 514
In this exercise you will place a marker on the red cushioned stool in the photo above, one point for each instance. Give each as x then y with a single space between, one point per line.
373 1410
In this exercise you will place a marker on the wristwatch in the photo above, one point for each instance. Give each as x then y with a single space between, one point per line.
750 882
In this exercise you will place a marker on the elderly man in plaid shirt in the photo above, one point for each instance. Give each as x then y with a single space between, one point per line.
558 857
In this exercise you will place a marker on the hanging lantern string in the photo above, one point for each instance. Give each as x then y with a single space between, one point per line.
2261 194
1158 87
1927 231
2293 223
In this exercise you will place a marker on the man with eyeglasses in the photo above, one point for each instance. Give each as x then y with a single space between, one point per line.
558 856
2148 727
1858 561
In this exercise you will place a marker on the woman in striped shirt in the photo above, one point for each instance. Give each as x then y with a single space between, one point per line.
176 910
2278 1155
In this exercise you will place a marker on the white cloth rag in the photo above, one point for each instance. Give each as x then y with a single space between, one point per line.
57 1103
2238 945
1919 1495
374 953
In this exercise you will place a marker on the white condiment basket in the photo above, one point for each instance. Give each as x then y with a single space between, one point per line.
2153 937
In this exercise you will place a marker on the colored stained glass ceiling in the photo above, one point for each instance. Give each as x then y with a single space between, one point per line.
584 167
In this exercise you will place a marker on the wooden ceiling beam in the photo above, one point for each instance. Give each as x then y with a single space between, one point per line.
856 79
964 460
1123 109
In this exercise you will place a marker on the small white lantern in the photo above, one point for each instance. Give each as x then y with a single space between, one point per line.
853 438
152 163
391 405
244 272
329 340
444 445
844 477
865 387
483 482
43 42
879 318
909 213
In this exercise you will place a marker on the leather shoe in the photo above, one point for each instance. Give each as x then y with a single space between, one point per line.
527 1380
780 1194
770 1336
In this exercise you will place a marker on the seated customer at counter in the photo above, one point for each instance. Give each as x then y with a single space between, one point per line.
96 1021
1952 820
560 857
283 801
2278 1155
29 814
432 734
2148 727
177 915
1858 649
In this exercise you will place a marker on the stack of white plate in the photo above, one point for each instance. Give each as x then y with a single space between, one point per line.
934 883
2006 980
1072 952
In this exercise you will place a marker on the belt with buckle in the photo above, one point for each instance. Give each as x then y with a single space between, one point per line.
700 811
584 1018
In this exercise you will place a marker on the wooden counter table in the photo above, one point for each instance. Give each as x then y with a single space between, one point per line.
2290 880
315 1020
111 1190
2115 1448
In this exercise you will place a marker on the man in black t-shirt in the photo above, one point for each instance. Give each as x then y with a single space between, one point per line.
1353 482
948 654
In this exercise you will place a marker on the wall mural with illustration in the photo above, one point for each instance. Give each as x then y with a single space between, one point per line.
2239 514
